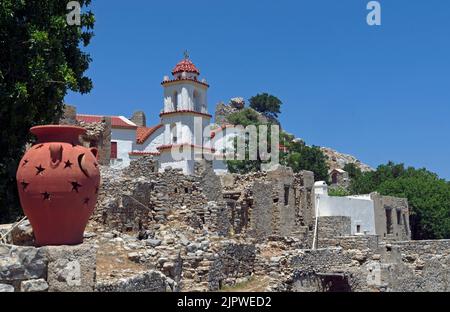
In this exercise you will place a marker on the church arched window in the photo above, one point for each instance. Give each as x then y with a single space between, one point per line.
173 133
196 96
175 100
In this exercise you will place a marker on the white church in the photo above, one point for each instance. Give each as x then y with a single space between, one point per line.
184 132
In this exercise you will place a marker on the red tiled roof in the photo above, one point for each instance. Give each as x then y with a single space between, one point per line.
116 121
143 133
143 153
170 146
185 79
185 111
185 66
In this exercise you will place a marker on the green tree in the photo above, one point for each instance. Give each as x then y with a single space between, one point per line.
245 117
300 156
428 196
295 153
266 104
41 58
352 170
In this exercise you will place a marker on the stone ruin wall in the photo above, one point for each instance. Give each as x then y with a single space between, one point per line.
391 217
257 205
276 203
134 200
98 134
129 201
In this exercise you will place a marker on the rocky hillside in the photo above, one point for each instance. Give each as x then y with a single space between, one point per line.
338 160
235 105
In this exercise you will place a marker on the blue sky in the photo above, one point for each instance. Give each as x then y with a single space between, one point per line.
379 93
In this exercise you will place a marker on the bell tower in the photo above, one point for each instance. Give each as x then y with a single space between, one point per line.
184 91
185 115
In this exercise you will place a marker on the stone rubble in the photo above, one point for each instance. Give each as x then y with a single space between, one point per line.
167 232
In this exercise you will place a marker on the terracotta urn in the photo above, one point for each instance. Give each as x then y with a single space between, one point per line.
58 182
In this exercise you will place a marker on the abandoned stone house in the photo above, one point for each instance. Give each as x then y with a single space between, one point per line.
339 178
261 205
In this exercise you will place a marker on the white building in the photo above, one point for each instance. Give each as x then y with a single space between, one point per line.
183 133
123 137
361 209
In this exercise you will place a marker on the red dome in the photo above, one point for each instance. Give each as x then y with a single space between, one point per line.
185 66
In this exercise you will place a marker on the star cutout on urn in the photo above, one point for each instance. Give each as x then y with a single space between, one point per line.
26 161
24 185
39 169
75 186
86 201
45 196
67 164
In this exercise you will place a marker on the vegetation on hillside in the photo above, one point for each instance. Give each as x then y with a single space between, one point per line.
40 60
293 152
267 104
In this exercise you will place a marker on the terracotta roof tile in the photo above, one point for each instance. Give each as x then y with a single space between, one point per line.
185 66
116 121
143 133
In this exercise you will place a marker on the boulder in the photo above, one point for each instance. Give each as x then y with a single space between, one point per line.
151 281
6 288
19 264
71 268
22 235
38 285
238 103
153 242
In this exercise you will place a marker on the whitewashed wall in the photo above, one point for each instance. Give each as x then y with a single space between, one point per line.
185 99
125 139
360 210
185 128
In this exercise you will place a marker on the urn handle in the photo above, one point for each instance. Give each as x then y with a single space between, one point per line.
56 151
94 151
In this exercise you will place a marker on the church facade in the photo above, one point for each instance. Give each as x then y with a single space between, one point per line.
183 134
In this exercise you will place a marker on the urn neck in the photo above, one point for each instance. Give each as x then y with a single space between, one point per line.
54 133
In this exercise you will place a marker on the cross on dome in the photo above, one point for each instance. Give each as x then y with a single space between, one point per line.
185 65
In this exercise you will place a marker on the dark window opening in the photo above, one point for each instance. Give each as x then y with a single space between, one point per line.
389 221
175 191
186 190
286 194
334 178
358 228
404 221
399 217
113 150
275 200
